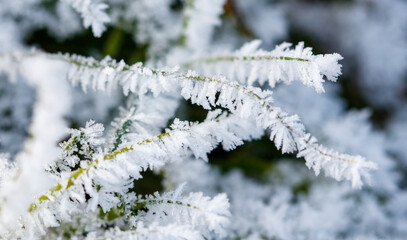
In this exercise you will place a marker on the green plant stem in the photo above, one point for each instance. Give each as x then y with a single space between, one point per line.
242 58
75 174
120 211
182 40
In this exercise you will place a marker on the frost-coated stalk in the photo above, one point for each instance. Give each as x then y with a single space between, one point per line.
251 103
108 175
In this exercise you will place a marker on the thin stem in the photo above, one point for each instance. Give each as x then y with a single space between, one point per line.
139 205
182 41
119 133
143 203
232 58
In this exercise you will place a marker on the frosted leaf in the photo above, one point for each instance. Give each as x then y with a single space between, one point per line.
200 17
93 14
80 147
250 64
200 212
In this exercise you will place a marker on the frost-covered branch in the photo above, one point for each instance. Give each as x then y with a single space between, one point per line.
251 64
251 103
287 132
97 183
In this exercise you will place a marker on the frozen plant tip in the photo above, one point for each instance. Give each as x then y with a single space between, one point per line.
250 65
